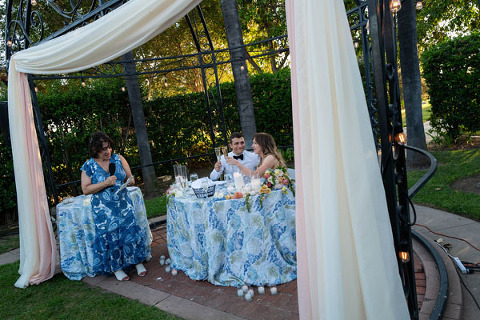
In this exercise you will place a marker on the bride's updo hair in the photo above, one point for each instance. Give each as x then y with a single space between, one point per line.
266 142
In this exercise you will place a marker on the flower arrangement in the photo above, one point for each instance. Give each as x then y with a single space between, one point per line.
276 179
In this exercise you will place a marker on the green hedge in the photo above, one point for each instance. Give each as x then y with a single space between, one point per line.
177 126
452 73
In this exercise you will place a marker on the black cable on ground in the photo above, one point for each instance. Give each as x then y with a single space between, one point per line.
466 288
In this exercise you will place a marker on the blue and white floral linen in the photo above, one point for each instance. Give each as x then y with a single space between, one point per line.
223 242
76 233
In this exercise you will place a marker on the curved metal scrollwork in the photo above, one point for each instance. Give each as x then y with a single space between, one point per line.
23 28
25 25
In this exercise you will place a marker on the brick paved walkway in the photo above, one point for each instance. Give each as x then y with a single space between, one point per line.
284 305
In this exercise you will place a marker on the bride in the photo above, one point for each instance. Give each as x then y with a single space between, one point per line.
270 158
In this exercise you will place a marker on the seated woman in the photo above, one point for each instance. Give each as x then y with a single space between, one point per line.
270 158
119 242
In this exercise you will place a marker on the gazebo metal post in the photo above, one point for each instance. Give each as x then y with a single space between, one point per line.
45 155
217 82
383 34
211 51
204 77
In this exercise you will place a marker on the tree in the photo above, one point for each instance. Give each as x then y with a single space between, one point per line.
265 19
135 96
238 56
440 20
412 90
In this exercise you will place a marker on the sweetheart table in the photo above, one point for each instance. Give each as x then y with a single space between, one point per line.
233 242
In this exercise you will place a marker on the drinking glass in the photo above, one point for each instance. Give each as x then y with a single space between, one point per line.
193 177
180 173
218 152
184 176
225 151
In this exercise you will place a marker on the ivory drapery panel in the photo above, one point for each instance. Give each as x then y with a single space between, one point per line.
347 267
120 31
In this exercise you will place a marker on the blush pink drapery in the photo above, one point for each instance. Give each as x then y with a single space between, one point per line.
105 39
347 267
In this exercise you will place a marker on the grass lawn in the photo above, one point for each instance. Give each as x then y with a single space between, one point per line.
426 110
437 193
8 243
60 298
156 207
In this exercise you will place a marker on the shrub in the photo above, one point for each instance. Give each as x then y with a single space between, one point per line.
177 126
452 72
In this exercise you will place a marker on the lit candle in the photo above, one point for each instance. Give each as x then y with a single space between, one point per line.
168 261
248 297
256 184
240 292
174 272
162 262
261 290
245 288
273 290
238 179
167 269
251 292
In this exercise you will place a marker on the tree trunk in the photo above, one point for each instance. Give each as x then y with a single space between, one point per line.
135 97
412 93
240 69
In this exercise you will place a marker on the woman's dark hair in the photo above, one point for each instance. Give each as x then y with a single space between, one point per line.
96 143
267 143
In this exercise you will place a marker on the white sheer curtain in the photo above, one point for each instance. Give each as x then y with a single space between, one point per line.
118 32
347 267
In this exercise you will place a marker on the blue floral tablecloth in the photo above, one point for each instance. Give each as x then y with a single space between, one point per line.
76 233
225 243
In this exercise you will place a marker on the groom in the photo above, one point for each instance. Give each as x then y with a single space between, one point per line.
237 145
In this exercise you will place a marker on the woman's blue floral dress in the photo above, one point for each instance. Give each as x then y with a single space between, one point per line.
118 239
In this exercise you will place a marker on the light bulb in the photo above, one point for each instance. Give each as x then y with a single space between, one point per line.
83 83
404 256
9 43
123 89
33 2
395 5
419 5
400 138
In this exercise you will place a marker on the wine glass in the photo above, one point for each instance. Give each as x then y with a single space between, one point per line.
218 152
193 177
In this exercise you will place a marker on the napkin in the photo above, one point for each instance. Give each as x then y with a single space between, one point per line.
197 184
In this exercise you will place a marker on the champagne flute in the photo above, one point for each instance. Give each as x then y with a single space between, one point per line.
218 153
225 151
